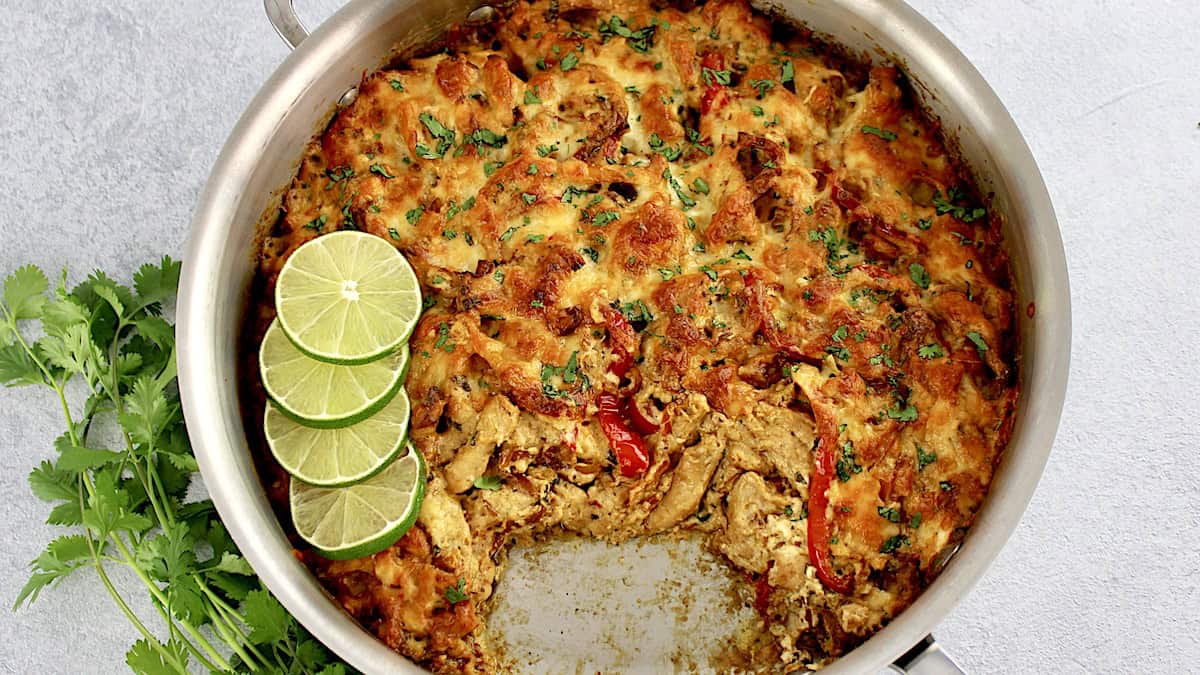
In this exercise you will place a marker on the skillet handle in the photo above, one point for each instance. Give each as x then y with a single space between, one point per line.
282 16
927 658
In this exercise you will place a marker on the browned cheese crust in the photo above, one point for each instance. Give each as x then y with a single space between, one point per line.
785 234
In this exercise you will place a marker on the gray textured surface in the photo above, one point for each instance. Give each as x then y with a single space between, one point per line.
113 113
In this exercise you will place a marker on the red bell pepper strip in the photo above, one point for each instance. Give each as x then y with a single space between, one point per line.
623 340
762 593
714 96
818 524
641 423
628 446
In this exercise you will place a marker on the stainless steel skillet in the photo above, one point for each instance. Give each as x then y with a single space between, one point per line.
264 149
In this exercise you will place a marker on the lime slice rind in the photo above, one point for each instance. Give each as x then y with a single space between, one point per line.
343 523
342 456
347 298
324 395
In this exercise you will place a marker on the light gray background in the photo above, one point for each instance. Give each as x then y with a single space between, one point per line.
113 113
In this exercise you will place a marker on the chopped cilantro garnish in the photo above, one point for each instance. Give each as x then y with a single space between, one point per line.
487 137
640 40
980 345
317 224
919 276
894 542
711 77
847 465
948 205
456 593
762 86
924 459
908 413
930 351
839 352
604 217
637 312
688 202
456 209
876 131
445 137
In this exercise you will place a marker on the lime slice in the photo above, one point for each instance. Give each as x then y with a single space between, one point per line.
347 297
359 520
324 395
338 457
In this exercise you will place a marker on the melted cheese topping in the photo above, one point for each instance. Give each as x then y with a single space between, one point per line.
788 238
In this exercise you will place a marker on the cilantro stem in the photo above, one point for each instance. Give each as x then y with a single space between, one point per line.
234 644
234 621
112 591
157 593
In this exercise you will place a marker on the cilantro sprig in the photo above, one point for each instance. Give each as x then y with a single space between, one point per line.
119 480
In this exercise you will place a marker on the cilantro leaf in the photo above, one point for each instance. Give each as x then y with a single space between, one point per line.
17 369
51 484
75 458
25 292
156 283
234 564
147 411
74 351
267 619
144 659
